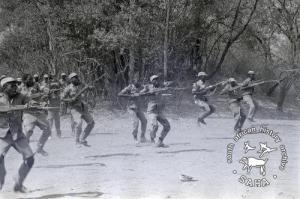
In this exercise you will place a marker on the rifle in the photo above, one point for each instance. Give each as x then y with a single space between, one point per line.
41 94
214 86
88 86
256 83
164 89
272 89
25 107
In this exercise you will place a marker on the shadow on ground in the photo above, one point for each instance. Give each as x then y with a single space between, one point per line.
70 165
187 150
88 194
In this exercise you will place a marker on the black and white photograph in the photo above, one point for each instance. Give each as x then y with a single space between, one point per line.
150 99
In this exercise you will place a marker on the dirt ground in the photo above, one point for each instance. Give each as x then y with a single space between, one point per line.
114 167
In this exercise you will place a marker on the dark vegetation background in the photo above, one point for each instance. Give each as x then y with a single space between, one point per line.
134 39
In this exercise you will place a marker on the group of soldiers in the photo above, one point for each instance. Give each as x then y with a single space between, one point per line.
156 90
43 102
26 103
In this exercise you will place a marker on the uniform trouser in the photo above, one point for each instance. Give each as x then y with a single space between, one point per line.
30 121
54 117
208 109
238 114
252 109
77 118
22 146
138 116
63 108
154 118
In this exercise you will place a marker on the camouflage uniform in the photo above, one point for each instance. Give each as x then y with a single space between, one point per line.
79 111
11 135
201 100
33 118
235 107
135 109
247 97
155 113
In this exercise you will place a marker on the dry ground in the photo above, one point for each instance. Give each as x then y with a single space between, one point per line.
113 167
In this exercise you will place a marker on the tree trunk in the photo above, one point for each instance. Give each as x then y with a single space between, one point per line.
166 42
132 46
282 94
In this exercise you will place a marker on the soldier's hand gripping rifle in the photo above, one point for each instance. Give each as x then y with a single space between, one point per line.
25 107
44 94
88 86
256 83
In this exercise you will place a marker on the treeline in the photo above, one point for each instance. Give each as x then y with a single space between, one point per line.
133 39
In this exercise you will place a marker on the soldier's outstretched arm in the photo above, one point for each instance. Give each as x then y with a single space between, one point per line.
225 90
125 91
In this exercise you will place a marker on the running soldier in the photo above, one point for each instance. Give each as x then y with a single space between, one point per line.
200 91
232 89
79 110
132 91
33 118
11 133
155 110
54 101
248 95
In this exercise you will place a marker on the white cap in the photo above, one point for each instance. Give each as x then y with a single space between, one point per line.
231 79
63 74
202 74
251 72
2 77
35 75
73 75
46 76
7 80
153 77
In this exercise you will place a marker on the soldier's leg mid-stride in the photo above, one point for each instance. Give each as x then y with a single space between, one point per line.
238 114
208 110
138 116
154 119
22 146
77 119
54 118
252 108
29 123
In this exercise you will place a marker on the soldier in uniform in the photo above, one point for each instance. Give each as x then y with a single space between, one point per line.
200 90
54 101
136 110
33 118
247 95
79 110
63 82
234 103
46 81
155 111
11 134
